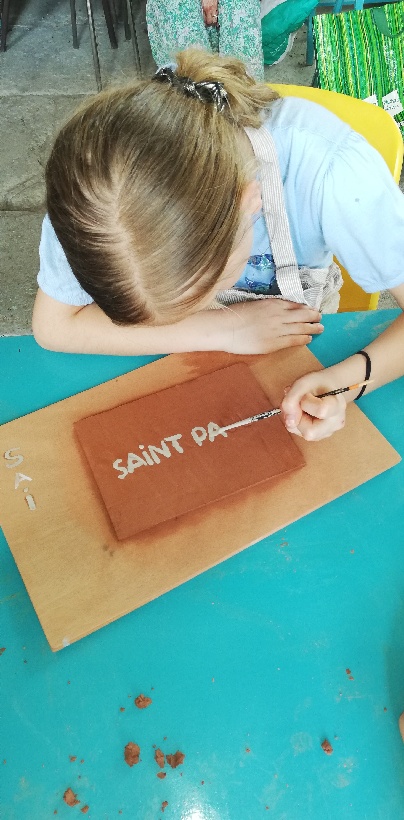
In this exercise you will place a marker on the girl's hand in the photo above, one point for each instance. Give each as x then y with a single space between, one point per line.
210 12
267 325
308 416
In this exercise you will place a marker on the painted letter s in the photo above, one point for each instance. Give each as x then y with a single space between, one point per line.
122 470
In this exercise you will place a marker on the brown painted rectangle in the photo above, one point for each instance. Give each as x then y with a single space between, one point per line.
161 456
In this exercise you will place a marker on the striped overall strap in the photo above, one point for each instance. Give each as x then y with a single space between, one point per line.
287 271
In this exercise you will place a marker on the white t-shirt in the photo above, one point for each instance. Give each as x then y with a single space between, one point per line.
340 199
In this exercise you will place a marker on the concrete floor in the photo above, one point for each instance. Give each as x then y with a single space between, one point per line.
42 79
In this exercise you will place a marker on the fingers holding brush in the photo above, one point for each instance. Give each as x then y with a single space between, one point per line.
319 418
309 414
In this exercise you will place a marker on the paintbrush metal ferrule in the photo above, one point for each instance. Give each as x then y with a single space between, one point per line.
251 419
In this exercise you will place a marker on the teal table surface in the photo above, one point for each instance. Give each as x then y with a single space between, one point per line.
250 666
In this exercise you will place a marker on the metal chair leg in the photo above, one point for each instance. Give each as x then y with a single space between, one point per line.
114 11
4 24
94 47
74 23
126 21
135 43
110 23
310 41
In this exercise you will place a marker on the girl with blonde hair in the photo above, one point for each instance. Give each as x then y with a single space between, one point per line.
200 189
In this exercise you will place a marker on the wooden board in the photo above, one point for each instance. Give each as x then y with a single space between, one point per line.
78 576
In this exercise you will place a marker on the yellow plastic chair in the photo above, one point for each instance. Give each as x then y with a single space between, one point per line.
381 131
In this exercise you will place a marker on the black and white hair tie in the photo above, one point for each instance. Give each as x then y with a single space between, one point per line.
207 91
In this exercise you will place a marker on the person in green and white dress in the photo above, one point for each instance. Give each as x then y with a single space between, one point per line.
231 27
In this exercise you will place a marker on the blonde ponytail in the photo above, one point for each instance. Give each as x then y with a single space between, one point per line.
248 99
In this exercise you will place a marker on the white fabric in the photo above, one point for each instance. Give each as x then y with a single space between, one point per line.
55 276
288 49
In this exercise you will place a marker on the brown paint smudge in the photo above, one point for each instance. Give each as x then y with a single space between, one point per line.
401 725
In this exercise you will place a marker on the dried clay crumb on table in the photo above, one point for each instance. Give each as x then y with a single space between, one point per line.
175 760
70 798
159 758
131 753
142 701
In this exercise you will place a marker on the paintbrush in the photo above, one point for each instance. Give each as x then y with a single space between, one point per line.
269 413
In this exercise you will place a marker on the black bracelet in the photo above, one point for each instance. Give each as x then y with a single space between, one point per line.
367 373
